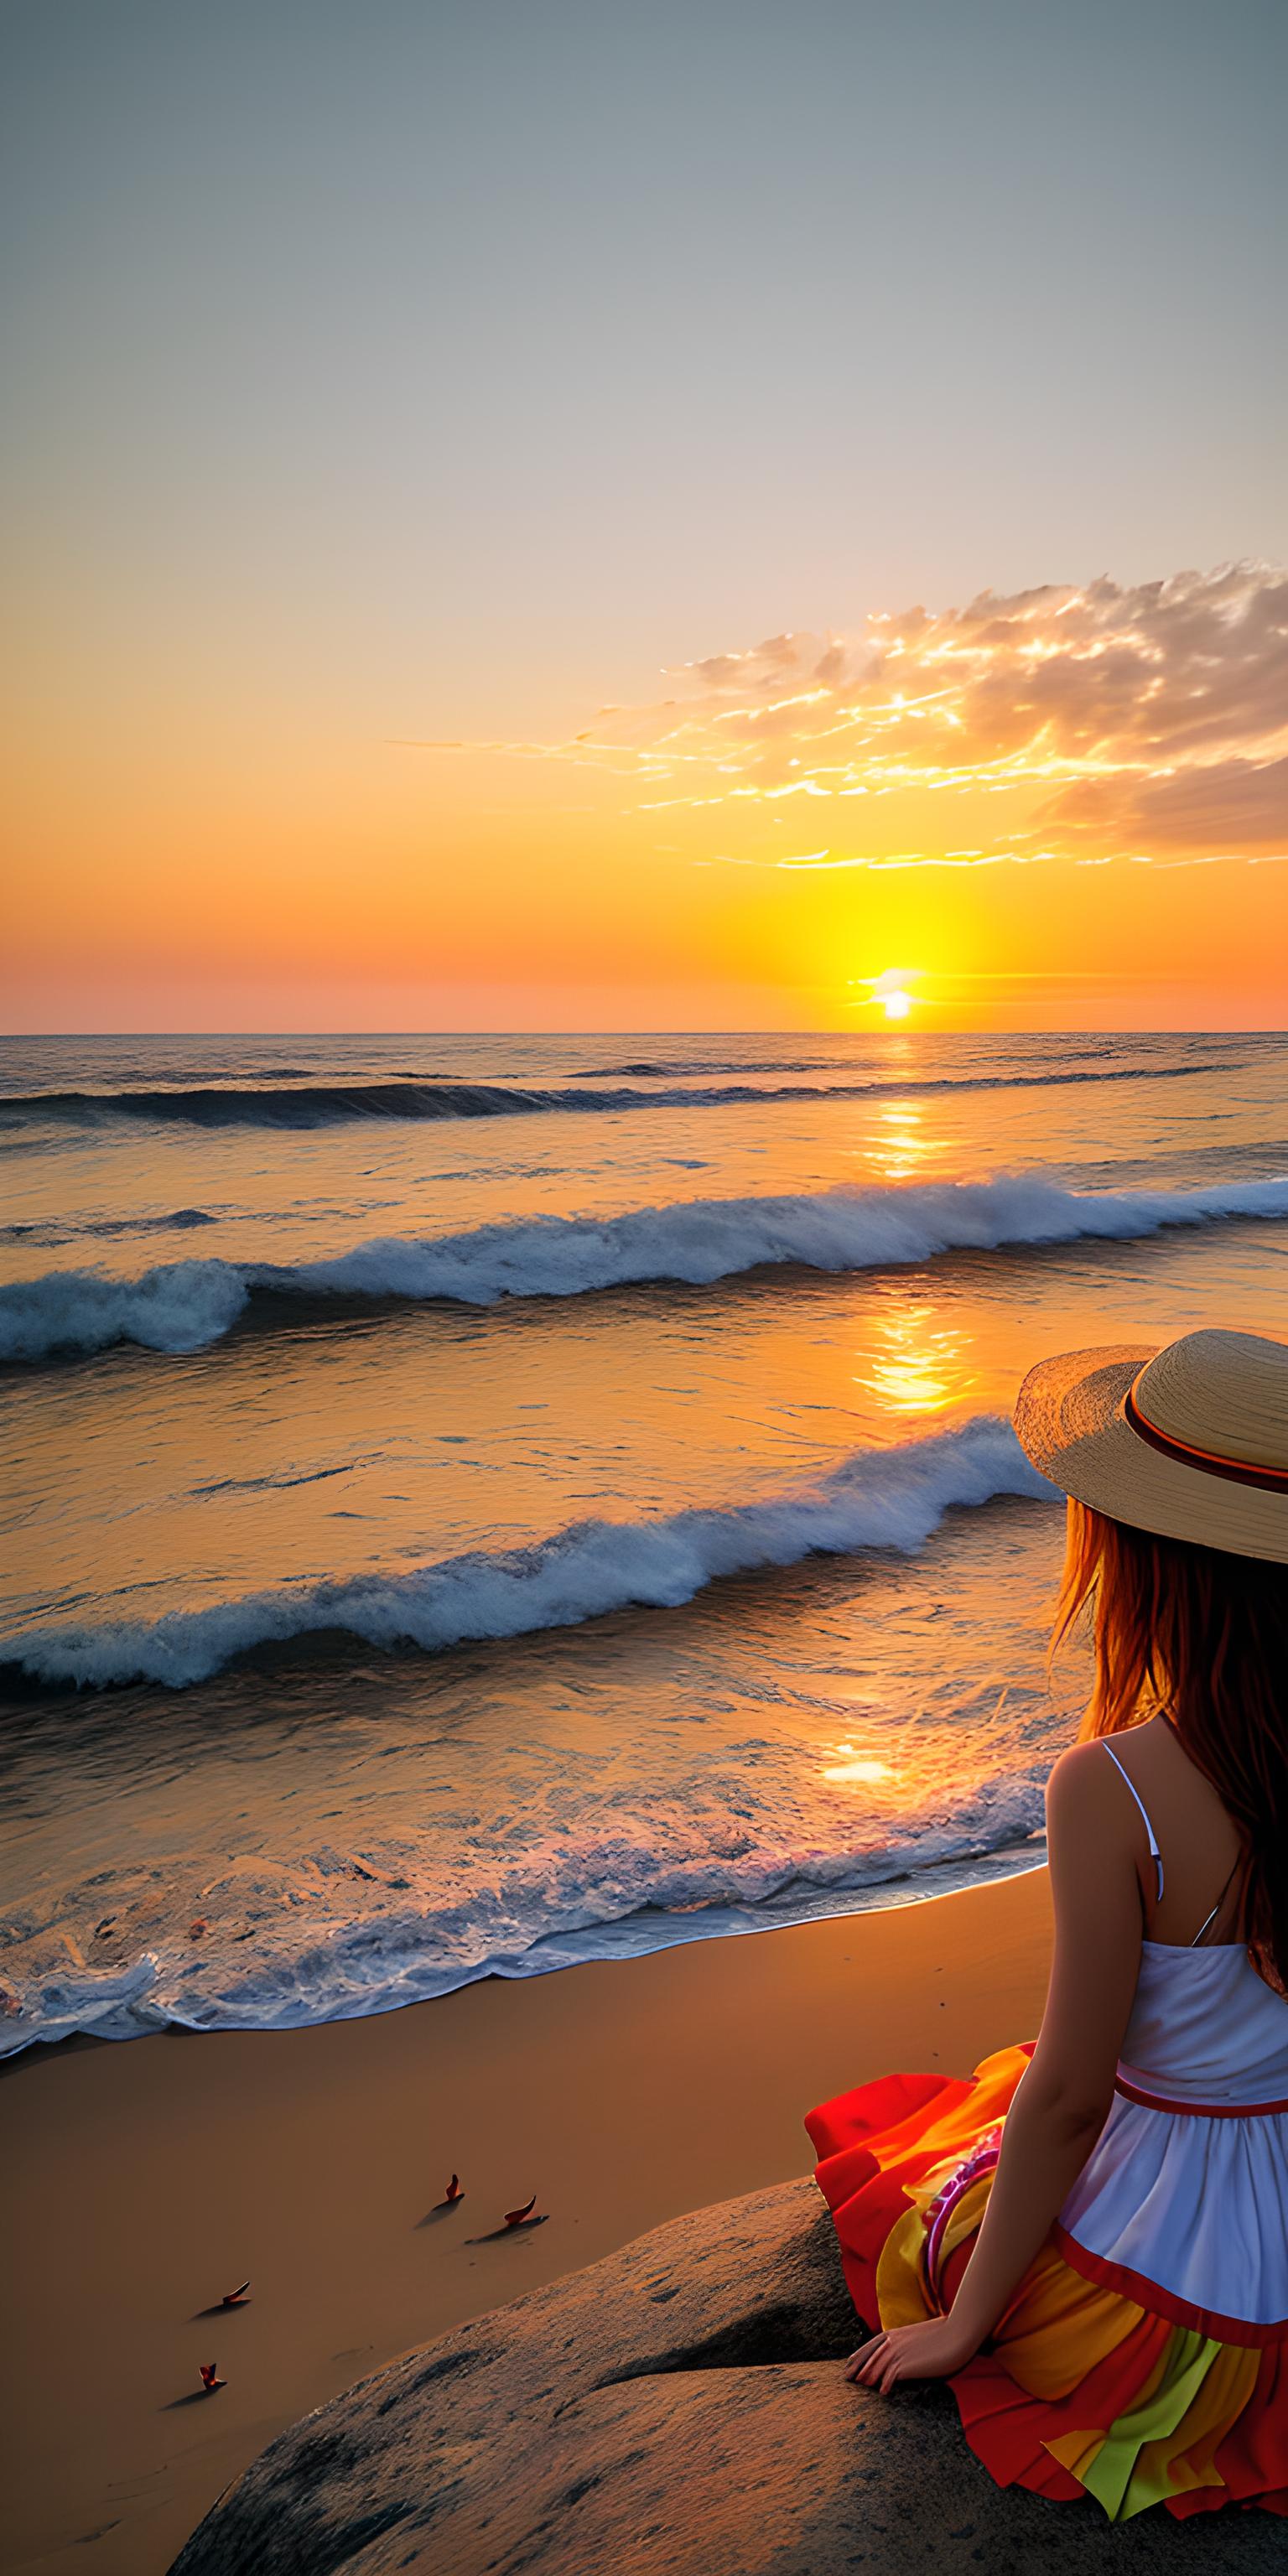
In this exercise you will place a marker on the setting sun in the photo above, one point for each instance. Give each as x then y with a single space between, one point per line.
643 1016
889 990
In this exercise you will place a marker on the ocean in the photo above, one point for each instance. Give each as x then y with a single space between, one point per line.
473 1504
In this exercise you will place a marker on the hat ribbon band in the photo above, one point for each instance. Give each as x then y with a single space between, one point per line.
1271 1480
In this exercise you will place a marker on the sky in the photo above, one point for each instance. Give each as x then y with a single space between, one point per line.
583 516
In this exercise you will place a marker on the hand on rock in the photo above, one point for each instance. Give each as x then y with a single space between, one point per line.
930 2350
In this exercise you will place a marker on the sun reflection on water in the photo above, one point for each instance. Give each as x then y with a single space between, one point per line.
914 1358
900 1146
855 1766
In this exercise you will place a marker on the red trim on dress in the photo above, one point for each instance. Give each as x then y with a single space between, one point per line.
1201 2110
1148 2294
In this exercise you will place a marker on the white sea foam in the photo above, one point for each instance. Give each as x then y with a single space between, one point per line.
320 1939
876 1498
185 1305
107 2004
179 1306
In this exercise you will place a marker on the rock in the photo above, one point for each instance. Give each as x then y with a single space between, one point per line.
676 2410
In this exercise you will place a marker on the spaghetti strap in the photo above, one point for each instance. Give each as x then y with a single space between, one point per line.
1154 1852
1211 1918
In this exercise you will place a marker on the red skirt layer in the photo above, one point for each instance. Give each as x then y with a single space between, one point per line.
1081 2389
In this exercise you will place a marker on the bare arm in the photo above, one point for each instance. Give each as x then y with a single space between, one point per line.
1063 2098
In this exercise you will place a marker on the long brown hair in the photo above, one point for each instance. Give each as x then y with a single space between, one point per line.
1200 1637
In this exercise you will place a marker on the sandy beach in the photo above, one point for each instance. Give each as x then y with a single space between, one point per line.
143 2180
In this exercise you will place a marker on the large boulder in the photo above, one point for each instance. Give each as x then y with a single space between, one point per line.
675 2410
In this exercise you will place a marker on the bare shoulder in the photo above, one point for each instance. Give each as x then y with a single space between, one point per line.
1095 1841
1083 1790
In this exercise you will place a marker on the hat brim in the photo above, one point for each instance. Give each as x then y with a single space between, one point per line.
1070 1421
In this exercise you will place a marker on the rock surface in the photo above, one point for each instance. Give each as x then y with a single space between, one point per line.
676 2410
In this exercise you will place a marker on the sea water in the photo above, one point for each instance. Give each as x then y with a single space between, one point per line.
471 1504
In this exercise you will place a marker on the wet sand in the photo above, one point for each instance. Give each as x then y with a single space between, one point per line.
143 2179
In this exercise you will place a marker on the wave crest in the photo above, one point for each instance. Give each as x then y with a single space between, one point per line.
338 1103
876 1498
186 1305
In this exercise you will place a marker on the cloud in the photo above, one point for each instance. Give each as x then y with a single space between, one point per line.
1214 805
1133 722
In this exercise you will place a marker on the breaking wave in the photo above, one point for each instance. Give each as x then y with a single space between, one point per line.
186 1305
877 1498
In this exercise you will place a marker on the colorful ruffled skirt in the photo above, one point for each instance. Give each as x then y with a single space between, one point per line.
1082 2389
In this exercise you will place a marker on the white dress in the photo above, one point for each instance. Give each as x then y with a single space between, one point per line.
1143 2359
1186 2189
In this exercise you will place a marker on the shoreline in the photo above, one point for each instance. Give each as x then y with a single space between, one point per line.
607 1945
147 2178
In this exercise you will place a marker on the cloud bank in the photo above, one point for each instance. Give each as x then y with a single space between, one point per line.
1146 723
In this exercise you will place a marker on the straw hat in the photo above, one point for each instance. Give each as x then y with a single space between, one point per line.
1190 1441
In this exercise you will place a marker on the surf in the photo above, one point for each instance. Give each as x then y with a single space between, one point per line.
877 1498
188 1305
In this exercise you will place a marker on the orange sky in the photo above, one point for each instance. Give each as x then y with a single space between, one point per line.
1061 809
378 376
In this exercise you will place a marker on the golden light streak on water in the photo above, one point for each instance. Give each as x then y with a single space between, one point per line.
900 1146
855 1766
914 1361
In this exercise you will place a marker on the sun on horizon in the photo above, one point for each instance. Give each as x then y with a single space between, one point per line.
889 993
